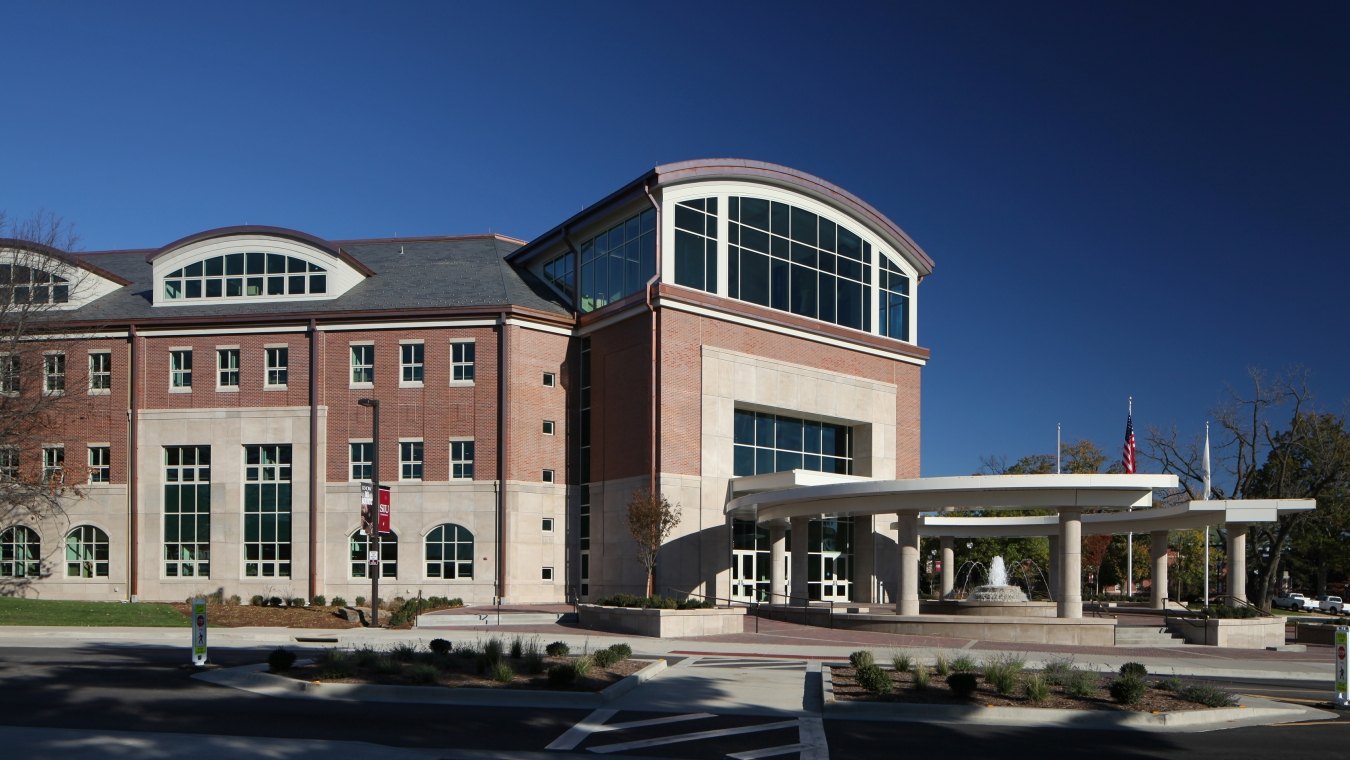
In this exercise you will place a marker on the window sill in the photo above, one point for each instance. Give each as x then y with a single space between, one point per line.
100 391
461 383
411 384
276 387
361 386
53 394
180 390
227 389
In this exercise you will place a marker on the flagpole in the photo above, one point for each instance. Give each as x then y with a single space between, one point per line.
1206 486
1129 546
1057 447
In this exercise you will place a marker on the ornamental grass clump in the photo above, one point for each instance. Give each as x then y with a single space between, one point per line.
902 662
582 666
421 674
502 673
942 666
517 648
1078 683
1056 670
921 678
1208 695
964 664
1002 671
336 664
1035 688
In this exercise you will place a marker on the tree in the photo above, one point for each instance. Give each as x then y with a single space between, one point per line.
36 279
651 518
1308 459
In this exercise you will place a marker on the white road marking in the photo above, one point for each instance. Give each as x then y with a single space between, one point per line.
692 737
578 733
755 754
811 734
653 722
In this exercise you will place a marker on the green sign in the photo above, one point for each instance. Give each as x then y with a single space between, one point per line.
199 631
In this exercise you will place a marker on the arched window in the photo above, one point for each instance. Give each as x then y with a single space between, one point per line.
20 553
360 544
86 553
21 284
246 275
449 552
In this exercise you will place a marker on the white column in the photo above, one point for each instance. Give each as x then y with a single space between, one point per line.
1157 597
1052 572
908 603
948 567
801 535
777 563
1070 603
1237 561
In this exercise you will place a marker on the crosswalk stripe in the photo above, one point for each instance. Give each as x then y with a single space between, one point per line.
578 733
714 734
653 722
755 754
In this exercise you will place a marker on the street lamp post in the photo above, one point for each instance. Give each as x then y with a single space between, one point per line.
373 516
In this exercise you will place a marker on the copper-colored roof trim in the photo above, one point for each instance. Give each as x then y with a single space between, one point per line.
62 256
328 317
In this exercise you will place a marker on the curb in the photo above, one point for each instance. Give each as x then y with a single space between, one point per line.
1250 712
255 679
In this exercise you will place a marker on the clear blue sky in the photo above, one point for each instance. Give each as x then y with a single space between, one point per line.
1121 198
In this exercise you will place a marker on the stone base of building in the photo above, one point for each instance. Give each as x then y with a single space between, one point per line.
664 624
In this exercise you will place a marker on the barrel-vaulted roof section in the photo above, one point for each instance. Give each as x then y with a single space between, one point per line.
737 168
281 232
62 257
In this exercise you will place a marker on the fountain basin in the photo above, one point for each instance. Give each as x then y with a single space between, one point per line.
971 607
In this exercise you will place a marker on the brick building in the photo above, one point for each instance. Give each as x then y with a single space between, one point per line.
701 328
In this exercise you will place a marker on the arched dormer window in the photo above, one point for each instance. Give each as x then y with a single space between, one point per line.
36 277
254 264
22 285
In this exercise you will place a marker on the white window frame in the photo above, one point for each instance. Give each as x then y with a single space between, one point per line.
420 462
550 427
222 371
412 364
53 373
53 463
367 364
352 462
180 377
96 374
550 380
10 374
546 525
546 574
9 463
549 476
462 367
104 467
462 461
271 370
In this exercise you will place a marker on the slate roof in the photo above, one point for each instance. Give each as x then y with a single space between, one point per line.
420 273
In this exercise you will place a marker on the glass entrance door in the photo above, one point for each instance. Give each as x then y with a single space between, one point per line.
749 576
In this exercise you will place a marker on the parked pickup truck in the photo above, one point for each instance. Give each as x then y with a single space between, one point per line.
1333 605
1295 602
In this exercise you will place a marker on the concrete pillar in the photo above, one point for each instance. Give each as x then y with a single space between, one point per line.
1052 572
948 567
863 569
1237 561
801 537
908 603
1157 597
1070 603
777 563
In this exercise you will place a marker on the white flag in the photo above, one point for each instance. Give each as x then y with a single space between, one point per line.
1206 461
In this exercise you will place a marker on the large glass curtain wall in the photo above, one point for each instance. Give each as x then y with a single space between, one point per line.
773 443
616 263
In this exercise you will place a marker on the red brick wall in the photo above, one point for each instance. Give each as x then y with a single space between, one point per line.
620 399
532 354
75 418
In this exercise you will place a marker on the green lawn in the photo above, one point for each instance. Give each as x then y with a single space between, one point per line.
51 612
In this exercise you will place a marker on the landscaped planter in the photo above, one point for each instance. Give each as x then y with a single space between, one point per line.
1245 633
662 623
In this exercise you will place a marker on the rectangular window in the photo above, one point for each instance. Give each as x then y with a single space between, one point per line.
550 379
411 363
180 369
363 364
227 367
547 525
9 374
267 511
410 460
100 372
766 443
54 374
100 464
9 463
461 460
461 362
53 464
546 574
359 454
548 427
187 511
548 476
277 360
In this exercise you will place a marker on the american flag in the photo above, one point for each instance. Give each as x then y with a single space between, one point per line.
1128 451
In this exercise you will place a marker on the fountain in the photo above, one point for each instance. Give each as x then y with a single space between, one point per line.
997 589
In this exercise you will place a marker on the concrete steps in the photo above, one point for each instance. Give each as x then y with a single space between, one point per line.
491 618
1146 636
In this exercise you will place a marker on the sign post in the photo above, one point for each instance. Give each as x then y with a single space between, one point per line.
1342 697
199 631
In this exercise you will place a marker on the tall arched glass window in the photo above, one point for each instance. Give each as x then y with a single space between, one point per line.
86 552
449 552
20 553
246 275
360 546
21 284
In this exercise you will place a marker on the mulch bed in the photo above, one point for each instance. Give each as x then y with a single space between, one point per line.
247 616
903 692
462 672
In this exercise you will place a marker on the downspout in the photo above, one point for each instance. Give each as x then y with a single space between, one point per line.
133 428
313 458
655 347
503 445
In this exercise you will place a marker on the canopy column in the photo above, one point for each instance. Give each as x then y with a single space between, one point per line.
1070 603
1053 575
1237 561
948 545
1158 593
801 536
777 563
908 603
